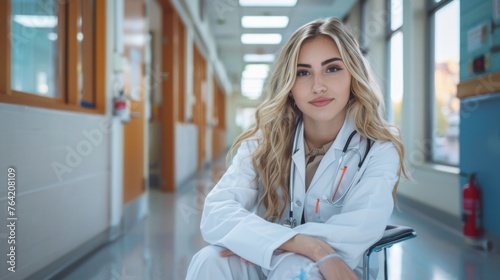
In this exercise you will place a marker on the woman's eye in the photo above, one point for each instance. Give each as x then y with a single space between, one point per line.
333 69
302 73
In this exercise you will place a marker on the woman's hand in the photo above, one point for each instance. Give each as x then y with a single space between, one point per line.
315 249
336 268
226 253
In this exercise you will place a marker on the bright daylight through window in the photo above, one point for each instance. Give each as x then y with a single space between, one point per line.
445 115
396 61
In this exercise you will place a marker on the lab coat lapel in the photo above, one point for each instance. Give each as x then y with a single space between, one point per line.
299 157
347 128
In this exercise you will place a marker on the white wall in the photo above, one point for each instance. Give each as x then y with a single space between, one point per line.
186 152
62 163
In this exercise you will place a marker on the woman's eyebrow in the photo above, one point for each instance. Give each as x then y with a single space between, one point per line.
330 60
322 63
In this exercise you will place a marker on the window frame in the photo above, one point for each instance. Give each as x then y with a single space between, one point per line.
363 19
68 99
389 33
432 9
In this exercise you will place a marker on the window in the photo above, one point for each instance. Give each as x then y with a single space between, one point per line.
444 17
52 53
35 45
395 56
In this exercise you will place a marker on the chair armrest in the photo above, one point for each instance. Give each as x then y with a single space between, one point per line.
393 234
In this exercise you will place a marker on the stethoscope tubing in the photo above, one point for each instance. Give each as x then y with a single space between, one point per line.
291 178
329 199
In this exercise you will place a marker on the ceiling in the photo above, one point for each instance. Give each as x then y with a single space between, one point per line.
224 17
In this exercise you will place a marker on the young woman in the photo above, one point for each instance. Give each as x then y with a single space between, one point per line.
314 180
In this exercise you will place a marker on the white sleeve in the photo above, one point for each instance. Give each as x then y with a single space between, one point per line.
227 219
366 212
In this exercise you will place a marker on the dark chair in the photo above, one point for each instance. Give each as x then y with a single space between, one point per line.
393 234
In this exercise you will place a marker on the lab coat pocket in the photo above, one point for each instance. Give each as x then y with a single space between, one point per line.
327 210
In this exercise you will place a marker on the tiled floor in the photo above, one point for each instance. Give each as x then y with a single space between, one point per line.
161 246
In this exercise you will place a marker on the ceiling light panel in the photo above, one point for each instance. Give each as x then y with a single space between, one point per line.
265 38
255 84
258 57
252 94
252 88
257 67
268 3
264 21
254 74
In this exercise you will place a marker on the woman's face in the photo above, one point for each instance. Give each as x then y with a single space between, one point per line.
322 85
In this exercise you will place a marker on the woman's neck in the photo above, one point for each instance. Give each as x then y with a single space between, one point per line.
317 134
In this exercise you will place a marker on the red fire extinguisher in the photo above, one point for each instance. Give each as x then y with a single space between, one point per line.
471 203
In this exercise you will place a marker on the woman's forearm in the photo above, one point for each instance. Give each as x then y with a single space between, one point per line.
308 246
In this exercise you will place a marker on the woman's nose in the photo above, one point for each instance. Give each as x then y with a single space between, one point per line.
319 86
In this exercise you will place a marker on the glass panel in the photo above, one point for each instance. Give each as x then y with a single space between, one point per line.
34 47
396 79
396 14
445 144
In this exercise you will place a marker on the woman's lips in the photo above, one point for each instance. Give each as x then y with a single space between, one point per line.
321 101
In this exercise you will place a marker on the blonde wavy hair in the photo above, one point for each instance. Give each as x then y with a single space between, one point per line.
276 117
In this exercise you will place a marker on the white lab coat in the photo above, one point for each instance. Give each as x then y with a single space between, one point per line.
232 220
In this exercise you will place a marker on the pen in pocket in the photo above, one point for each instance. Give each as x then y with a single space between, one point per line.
344 169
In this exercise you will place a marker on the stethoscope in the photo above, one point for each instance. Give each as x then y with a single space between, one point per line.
291 222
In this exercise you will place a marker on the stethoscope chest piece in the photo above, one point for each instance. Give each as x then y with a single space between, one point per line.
289 223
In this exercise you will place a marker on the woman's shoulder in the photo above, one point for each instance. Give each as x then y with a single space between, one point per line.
251 143
384 149
383 144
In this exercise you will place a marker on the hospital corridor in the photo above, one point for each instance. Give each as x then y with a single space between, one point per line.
249 139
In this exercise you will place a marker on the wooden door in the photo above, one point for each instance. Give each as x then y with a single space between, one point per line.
199 106
134 130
